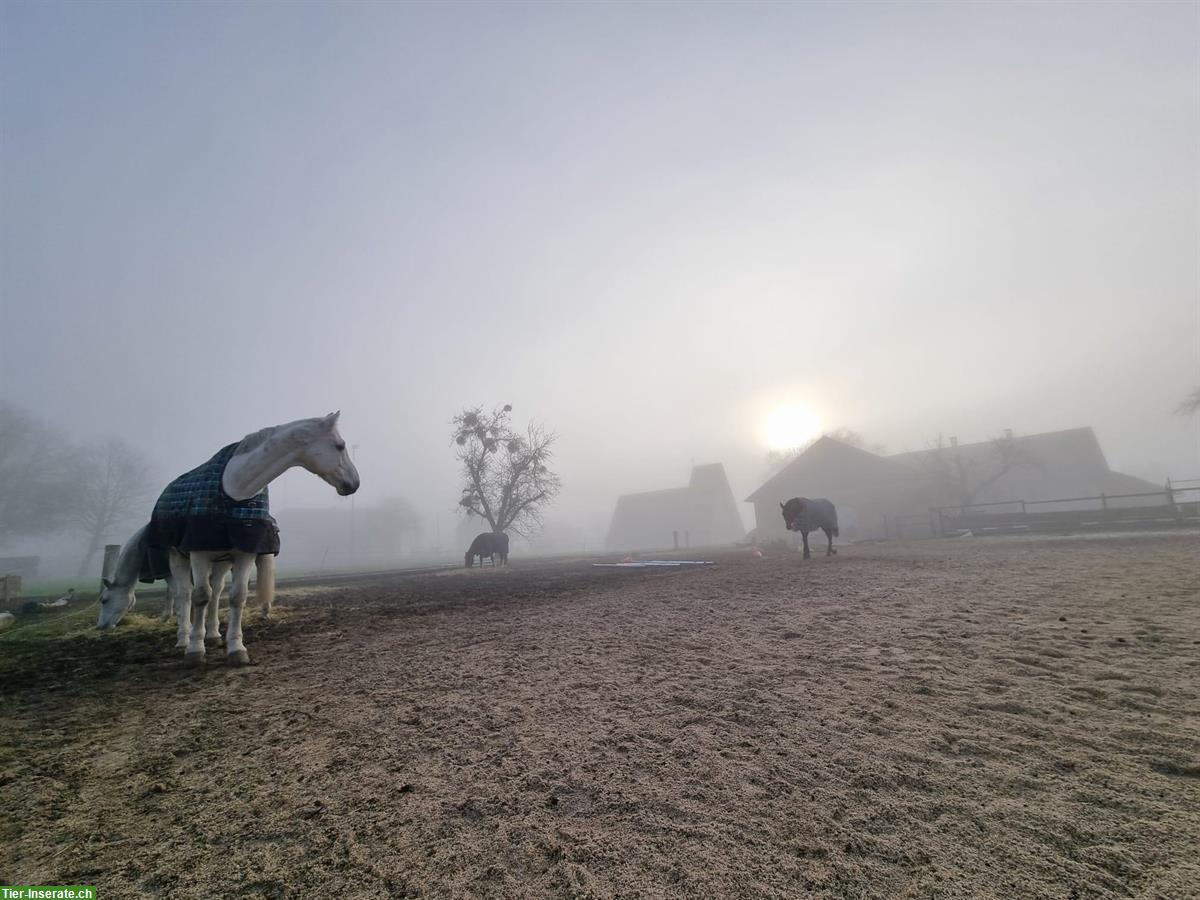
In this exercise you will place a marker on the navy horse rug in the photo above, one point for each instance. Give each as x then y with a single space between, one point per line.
195 513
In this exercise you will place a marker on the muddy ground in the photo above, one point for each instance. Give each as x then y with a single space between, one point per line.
961 718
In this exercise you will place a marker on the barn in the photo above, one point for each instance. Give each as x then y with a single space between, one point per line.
702 514
882 497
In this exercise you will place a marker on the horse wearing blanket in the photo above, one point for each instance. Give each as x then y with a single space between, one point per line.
217 517
804 515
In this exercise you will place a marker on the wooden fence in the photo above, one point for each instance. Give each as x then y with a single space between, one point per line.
1172 507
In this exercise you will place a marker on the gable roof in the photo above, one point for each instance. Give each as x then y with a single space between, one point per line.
835 461
705 509
1078 446
1045 466
1120 483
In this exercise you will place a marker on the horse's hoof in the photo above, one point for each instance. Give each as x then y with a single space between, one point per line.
193 659
209 638
238 658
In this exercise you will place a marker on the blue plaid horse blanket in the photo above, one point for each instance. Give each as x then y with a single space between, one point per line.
195 513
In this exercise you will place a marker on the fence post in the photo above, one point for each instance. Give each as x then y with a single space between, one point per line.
1103 502
1023 508
111 551
675 534
932 526
1175 510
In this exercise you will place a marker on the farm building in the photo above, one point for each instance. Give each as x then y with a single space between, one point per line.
879 496
702 514
866 488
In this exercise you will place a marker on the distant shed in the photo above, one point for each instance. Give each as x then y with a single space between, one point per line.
702 514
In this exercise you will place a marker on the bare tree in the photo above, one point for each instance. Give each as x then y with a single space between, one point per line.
113 487
37 476
506 475
962 478
1191 404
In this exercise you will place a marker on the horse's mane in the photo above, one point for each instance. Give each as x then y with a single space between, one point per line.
254 440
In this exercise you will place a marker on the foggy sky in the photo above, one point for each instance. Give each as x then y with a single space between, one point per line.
645 226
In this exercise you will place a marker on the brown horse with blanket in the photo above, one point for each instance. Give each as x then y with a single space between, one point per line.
804 515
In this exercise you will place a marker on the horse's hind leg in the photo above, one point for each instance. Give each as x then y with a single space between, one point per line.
179 598
216 582
202 596
169 605
264 588
235 650
829 537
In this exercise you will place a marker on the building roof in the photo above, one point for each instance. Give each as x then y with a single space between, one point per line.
706 510
1042 466
1049 465
831 461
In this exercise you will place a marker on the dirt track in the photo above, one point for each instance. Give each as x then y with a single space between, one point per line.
992 718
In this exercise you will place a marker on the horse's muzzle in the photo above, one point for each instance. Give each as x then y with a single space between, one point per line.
346 488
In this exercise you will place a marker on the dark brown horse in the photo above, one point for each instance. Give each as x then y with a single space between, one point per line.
490 544
804 515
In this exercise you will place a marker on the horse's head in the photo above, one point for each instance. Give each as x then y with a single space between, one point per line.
791 511
324 454
115 601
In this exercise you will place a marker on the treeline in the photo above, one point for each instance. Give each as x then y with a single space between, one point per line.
50 484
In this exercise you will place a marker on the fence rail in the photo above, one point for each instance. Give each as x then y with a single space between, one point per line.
1176 507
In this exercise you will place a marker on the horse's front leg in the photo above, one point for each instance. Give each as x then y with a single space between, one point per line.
829 551
804 537
235 650
201 598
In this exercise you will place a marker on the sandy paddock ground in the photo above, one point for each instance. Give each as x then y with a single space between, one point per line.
960 718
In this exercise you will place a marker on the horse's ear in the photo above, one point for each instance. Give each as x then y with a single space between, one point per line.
107 584
781 506
330 420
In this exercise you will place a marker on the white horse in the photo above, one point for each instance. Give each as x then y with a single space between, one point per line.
196 577
118 595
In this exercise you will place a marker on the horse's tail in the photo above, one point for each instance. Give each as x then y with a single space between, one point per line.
265 589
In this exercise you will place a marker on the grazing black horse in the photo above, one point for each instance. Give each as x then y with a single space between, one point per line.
804 515
490 544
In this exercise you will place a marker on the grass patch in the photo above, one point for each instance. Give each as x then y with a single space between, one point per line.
66 644
56 587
